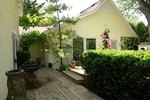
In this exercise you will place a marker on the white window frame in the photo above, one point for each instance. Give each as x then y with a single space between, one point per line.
115 41
84 42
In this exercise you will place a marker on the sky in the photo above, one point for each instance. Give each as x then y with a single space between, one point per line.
79 5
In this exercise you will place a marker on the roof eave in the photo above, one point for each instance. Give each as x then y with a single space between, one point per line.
93 11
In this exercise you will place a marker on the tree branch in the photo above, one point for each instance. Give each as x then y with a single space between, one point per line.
145 9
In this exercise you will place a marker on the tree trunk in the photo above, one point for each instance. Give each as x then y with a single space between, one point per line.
149 29
144 8
148 20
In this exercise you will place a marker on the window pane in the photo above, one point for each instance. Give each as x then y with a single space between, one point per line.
90 44
113 44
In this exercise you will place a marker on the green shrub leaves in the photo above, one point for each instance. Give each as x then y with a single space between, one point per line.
118 75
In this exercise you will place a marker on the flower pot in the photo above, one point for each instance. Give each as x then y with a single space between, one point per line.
16 85
72 65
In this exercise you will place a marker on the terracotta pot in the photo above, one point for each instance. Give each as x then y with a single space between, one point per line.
72 65
16 85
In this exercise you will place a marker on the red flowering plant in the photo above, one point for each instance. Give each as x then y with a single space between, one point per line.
105 39
32 82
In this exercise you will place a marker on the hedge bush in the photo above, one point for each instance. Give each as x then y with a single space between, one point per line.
118 75
129 43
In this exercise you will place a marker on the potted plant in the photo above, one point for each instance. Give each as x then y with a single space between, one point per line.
72 64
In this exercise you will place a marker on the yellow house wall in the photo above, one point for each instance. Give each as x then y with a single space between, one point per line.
8 24
95 24
91 26
35 51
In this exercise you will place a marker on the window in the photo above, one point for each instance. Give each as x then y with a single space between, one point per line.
81 44
114 44
90 44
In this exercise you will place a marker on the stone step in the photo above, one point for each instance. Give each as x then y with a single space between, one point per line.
79 70
79 79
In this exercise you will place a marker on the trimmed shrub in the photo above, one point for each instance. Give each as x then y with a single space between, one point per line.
118 75
129 43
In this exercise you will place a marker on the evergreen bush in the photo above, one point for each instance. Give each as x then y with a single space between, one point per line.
118 75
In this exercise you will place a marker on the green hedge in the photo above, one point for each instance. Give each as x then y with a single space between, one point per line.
118 75
129 43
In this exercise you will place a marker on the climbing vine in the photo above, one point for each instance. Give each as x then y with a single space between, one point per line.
105 39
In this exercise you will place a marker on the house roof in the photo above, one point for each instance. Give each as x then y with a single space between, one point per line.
90 8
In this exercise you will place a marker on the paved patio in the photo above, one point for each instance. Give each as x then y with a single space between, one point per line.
57 87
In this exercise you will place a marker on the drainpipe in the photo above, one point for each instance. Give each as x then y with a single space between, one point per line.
14 40
84 44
